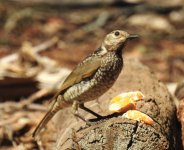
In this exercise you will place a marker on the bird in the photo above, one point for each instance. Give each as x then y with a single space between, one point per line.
91 78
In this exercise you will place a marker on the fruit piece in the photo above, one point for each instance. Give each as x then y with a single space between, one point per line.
139 116
125 101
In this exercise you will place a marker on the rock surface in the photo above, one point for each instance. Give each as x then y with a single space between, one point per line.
179 93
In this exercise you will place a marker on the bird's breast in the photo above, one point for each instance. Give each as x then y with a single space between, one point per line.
93 87
108 72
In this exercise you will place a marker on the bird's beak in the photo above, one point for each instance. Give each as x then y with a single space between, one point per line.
132 36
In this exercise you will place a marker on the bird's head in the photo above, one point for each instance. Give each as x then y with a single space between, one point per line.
116 40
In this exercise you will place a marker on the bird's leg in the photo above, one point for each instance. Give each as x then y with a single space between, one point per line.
76 114
75 107
89 111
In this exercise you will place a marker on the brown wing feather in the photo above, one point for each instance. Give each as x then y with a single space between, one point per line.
82 71
85 69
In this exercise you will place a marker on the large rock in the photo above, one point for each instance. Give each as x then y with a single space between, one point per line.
179 93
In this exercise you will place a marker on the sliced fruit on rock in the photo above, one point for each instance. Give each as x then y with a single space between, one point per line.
125 101
138 116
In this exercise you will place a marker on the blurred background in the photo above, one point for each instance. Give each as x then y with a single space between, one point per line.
42 40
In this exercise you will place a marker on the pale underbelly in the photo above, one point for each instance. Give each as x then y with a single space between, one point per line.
85 91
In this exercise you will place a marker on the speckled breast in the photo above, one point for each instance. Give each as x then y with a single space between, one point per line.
93 87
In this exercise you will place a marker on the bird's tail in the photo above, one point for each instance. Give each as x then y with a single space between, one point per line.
55 107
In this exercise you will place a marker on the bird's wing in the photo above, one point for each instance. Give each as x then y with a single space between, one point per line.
83 70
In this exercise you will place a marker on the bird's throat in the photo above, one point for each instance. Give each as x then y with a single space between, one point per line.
119 50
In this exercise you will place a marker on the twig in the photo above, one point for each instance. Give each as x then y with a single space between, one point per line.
99 22
45 45
26 102
12 119
37 107
17 106
34 97
41 47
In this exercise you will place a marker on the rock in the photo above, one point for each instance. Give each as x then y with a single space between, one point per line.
179 93
180 116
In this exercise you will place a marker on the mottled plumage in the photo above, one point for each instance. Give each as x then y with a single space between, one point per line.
92 77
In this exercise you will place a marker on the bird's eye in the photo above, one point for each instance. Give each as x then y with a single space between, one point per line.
116 33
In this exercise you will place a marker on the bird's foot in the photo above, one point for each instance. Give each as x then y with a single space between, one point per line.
90 111
88 122
77 115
